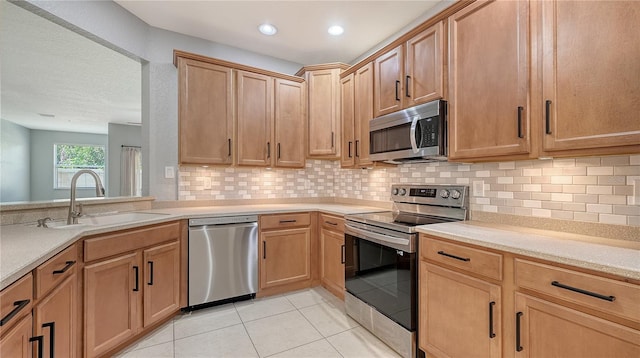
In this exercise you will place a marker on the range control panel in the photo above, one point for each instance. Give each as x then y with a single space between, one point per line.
443 195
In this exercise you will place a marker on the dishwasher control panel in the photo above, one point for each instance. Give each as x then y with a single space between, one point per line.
223 220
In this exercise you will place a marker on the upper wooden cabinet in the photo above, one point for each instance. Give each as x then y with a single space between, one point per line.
289 124
255 118
323 83
205 107
357 111
590 72
489 81
240 115
411 73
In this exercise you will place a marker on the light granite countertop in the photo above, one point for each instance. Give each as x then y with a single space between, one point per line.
617 257
24 247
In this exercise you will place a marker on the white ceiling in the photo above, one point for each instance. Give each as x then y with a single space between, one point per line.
48 69
302 25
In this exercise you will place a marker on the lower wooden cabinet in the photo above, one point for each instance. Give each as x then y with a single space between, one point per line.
545 329
332 254
135 287
111 301
459 315
285 257
56 320
15 342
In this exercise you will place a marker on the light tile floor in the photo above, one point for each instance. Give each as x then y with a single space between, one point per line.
307 323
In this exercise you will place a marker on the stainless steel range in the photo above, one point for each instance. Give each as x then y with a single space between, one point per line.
381 264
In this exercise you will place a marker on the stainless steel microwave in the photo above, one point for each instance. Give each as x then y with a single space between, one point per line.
416 134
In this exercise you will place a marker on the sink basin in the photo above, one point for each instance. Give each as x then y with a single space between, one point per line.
102 220
120 218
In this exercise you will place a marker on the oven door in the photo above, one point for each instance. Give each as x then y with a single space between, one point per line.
383 277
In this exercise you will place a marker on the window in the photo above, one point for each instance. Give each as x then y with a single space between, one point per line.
69 158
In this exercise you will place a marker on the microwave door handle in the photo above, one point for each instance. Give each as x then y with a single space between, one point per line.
412 134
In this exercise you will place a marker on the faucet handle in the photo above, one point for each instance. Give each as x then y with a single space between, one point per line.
43 222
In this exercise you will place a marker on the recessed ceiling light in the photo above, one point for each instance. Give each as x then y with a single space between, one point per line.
335 30
267 29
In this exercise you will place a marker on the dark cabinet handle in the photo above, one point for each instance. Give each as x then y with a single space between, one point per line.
150 283
406 86
268 150
584 292
137 288
333 139
547 116
19 305
349 149
520 109
66 267
229 146
288 221
278 150
343 255
52 337
518 342
40 340
397 88
330 223
264 249
357 142
466 259
492 333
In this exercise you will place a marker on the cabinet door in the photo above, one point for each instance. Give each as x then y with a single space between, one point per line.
15 343
324 127
453 302
205 113
255 118
488 80
285 256
112 299
332 261
590 74
289 124
162 282
347 159
389 76
363 95
56 317
549 330
424 67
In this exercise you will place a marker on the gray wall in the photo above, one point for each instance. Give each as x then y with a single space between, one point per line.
42 162
110 24
119 135
15 172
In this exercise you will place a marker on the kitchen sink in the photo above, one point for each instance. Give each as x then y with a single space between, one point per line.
105 219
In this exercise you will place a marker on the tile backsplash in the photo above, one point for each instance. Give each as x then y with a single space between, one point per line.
589 189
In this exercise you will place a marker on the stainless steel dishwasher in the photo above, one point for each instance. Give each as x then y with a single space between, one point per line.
223 259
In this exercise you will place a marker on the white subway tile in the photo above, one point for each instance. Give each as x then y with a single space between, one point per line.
612 199
532 172
532 204
505 180
600 171
613 219
544 213
600 189
599 208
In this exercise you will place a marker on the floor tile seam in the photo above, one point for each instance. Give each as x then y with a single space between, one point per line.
311 323
334 347
296 347
346 330
173 339
271 315
205 332
250 339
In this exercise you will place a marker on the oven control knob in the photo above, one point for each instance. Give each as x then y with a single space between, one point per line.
403 191
394 191
455 194
444 193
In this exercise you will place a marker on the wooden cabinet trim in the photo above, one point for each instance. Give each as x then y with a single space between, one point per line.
284 221
20 290
480 262
60 307
56 270
236 66
161 282
117 243
332 222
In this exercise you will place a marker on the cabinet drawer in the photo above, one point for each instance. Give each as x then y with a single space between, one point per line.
15 302
603 294
109 245
54 271
472 260
331 222
279 221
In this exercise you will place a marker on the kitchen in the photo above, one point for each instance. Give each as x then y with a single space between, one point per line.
581 194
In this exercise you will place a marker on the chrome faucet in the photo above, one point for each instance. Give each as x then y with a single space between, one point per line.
73 213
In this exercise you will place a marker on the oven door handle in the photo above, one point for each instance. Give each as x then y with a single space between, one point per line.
395 242
412 134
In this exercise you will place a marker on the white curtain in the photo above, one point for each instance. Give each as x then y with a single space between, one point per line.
130 172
